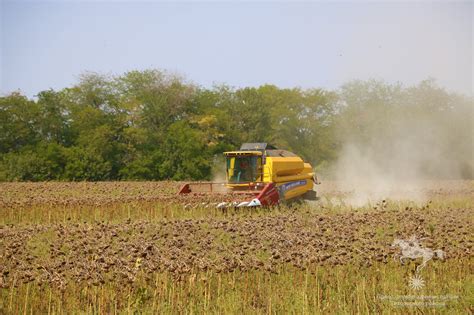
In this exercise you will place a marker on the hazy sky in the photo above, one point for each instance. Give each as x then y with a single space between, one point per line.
48 44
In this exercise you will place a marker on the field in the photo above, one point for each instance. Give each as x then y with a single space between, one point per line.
122 247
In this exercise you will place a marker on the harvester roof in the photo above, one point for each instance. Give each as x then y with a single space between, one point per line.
256 146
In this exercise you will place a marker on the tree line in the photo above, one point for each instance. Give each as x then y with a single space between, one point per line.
149 125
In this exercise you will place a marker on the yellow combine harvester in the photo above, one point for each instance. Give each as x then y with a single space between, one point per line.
262 175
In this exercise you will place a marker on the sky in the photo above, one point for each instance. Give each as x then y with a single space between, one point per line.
47 45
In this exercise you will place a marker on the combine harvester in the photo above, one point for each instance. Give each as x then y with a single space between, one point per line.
260 175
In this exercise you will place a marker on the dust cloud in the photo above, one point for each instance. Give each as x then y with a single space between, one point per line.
391 151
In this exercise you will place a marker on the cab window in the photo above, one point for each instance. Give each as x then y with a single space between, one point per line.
243 169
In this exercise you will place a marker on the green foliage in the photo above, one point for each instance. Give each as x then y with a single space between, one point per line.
86 164
18 122
186 154
151 125
40 163
52 117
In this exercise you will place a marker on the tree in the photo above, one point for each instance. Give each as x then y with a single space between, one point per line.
18 122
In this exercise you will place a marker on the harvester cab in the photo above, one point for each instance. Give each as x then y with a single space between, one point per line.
246 165
260 175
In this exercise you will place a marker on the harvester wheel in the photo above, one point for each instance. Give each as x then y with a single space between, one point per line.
310 195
